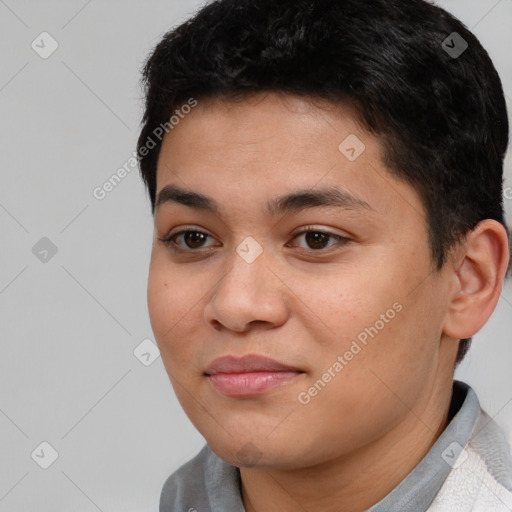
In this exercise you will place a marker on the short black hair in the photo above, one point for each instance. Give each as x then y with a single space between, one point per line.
437 106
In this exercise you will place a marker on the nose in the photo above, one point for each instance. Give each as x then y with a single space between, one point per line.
248 295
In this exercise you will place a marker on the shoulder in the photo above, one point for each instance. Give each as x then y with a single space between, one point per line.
195 486
481 478
186 487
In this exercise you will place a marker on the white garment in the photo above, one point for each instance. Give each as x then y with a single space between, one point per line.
481 478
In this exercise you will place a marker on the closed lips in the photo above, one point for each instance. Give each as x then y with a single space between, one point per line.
247 364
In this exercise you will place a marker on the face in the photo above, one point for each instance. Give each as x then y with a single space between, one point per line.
337 291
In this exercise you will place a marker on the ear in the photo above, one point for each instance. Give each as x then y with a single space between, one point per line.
477 279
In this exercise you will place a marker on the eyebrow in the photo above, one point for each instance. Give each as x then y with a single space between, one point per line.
289 203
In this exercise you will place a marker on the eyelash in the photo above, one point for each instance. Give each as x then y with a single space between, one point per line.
171 243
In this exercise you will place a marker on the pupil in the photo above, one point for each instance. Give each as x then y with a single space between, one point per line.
315 239
193 239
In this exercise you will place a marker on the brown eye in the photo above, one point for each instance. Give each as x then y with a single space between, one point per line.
317 240
192 240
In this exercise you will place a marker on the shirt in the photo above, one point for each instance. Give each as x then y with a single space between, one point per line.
469 468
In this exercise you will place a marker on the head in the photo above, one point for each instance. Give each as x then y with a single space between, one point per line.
299 99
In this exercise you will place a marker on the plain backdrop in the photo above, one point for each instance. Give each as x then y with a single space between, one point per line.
82 388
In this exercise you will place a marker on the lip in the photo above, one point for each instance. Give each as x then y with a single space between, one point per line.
246 364
249 375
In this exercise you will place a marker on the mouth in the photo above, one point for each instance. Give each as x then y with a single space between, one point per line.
248 376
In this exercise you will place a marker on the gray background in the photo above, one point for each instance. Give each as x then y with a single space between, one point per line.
70 324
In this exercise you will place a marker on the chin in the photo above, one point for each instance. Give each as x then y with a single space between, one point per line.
249 452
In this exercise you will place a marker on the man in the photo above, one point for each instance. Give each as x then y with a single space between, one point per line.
326 184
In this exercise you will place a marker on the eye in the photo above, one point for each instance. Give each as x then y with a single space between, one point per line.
317 239
192 238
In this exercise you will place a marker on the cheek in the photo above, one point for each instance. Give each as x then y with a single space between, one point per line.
374 314
345 303
168 293
170 303
159 297
176 304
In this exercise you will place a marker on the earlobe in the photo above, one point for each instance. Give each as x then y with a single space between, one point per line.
478 279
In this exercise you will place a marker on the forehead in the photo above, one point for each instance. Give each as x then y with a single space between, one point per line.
272 144
268 122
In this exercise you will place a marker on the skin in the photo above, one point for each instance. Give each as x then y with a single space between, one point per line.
353 442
